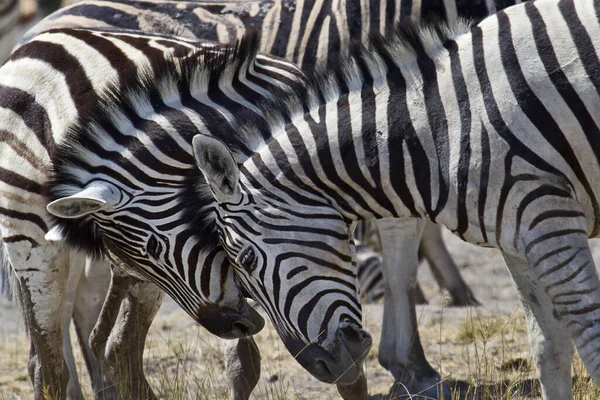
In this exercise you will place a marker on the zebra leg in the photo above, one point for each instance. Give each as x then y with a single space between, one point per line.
119 336
419 295
89 298
242 366
400 350
560 260
76 266
41 271
549 339
445 271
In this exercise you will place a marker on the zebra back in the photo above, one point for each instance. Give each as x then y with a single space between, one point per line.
306 32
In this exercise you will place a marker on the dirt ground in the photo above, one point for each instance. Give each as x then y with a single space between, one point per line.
483 348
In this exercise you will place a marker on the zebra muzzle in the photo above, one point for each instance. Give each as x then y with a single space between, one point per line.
340 361
231 324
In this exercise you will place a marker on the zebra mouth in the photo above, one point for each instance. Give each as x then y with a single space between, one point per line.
340 362
231 324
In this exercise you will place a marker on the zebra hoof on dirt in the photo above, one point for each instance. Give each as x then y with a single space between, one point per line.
418 384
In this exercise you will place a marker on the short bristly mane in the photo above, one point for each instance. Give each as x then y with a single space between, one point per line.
365 64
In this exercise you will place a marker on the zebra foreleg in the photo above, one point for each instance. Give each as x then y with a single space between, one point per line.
119 336
41 270
400 350
76 267
242 366
89 298
356 391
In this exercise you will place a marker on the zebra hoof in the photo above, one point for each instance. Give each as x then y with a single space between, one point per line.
421 382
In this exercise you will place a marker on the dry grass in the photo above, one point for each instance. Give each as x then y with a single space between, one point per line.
481 357
482 353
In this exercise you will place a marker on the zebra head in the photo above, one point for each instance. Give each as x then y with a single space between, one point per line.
141 231
290 270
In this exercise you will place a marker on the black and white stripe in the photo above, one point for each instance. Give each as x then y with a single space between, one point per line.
82 60
47 87
228 21
490 130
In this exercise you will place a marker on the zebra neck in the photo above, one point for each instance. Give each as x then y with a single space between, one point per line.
372 153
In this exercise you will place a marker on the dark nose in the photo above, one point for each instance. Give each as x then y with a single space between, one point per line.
228 323
340 361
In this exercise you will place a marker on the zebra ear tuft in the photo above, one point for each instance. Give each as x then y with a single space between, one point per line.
217 164
54 234
94 197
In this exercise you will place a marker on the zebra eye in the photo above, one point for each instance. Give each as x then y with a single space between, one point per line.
248 259
153 247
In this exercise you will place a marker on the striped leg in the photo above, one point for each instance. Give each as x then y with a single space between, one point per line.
562 282
400 350
550 341
41 270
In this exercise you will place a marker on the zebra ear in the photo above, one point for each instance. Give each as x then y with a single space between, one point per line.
94 197
218 166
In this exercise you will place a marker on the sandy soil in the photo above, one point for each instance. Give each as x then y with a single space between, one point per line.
480 346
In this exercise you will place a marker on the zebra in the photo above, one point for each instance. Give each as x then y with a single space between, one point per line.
37 115
78 12
56 20
522 86
431 247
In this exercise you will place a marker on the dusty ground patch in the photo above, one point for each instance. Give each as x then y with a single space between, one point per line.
484 348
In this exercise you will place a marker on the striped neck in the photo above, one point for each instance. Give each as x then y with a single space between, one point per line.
377 144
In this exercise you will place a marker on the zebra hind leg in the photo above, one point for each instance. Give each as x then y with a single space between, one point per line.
443 267
561 285
89 298
550 341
